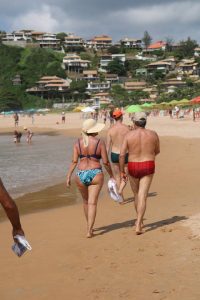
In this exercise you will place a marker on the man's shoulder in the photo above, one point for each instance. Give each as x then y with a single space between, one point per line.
152 132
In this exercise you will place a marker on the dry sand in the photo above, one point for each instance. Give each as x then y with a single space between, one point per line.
116 264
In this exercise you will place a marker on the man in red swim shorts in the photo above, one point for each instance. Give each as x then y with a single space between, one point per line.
142 146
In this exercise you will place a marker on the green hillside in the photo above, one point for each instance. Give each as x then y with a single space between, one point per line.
30 64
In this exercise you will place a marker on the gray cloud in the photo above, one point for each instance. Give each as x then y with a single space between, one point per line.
174 18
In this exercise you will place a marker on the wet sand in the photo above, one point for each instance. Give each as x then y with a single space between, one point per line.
163 263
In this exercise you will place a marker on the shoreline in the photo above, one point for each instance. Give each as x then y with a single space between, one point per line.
113 264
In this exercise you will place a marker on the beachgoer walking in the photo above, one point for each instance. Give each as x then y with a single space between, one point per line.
177 111
29 135
142 146
11 210
170 113
63 117
33 119
194 114
16 119
89 177
115 137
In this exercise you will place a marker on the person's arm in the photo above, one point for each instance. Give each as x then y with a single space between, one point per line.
122 156
72 166
105 159
108 142
11 210
157 149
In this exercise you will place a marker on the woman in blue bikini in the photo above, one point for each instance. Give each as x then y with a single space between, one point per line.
89 177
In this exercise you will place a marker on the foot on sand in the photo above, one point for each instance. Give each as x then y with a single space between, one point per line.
90 234
138 229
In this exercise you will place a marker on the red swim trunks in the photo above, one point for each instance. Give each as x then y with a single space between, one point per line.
141 169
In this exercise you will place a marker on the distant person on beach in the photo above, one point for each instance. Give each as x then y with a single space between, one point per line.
115 137
193 114
11 210
63 117
17 136
111 118
177 111
29 135
170 113
142 146
89 177
16 119
33 119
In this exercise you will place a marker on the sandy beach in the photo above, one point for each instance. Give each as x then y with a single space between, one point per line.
116 264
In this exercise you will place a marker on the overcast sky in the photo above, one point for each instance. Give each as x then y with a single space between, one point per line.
176 19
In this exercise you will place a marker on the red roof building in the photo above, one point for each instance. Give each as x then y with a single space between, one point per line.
159 45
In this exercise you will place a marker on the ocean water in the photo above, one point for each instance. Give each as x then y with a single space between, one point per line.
27 168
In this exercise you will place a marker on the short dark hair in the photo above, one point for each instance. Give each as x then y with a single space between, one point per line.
141 123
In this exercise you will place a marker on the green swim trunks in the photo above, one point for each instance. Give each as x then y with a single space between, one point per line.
115 158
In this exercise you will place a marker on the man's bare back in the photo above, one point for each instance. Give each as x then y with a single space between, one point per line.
116 135
142 144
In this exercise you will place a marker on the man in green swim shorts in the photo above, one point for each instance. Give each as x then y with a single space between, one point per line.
115 137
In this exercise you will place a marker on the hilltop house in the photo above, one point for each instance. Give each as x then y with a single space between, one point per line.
90 75
106 59
17 80
134 85
170 85
16 36
48 40
49 86
159 45
97 86
73 63
113 78
197 52
73 41
188 67
99 42
131 43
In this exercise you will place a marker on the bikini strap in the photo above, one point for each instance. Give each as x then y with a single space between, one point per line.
95 152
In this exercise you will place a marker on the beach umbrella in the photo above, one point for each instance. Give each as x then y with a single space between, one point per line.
183 102
78 108
147 105
134 109
195 100
173 102
88 110
163 103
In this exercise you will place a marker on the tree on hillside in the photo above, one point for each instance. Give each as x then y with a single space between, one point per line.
116 67
61 36
9 100
114 50
146 39
53 69
119 94
169 42
186 49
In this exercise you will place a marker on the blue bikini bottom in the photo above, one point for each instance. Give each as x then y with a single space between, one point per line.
86 176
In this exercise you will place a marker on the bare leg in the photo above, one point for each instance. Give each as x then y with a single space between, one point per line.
84 193
116 173
123 183
144 186
93 191
134 182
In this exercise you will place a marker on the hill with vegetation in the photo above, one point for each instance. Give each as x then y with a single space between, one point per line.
30 64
